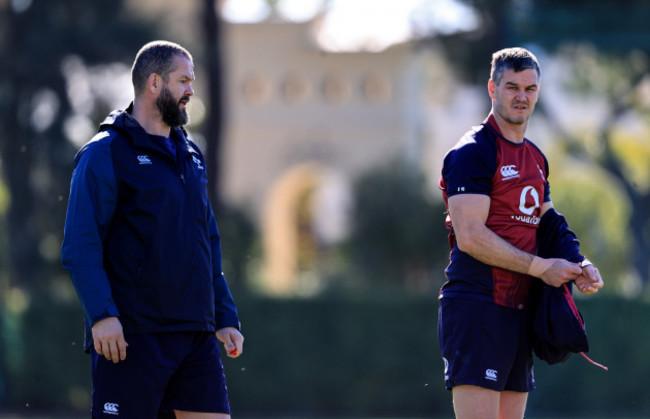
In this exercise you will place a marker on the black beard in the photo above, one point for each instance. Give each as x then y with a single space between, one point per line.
169 109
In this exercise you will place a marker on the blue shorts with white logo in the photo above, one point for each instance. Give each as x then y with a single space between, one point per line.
161 372
486 345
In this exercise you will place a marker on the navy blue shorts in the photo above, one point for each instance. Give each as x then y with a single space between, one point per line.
485 345
161 372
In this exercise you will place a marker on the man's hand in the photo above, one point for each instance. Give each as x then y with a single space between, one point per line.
589 281
554 272
233 341
109 339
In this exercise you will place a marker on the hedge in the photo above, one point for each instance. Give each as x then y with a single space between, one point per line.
373 356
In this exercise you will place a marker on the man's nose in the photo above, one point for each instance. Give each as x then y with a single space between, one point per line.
521 95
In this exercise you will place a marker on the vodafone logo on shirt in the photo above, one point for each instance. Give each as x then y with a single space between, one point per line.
509 172
525 193
528 203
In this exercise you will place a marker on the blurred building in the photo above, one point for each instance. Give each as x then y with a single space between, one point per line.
302 123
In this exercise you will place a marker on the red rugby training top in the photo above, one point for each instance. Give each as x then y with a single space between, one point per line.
514 176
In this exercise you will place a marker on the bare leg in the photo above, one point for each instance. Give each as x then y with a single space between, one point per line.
472 402
512 405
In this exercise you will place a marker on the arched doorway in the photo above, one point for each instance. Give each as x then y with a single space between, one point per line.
305 210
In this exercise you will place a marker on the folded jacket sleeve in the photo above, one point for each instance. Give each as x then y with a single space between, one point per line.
92 203
556 240
225 309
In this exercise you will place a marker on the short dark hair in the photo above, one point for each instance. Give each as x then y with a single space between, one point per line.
516 59
155 57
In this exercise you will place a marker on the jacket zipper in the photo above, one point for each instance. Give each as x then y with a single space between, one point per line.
175 164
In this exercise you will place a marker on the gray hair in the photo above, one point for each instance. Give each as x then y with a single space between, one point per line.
155 57
516 59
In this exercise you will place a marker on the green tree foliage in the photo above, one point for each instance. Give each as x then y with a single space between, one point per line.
239 246
36 38
617 142
398 234
596 210
611 26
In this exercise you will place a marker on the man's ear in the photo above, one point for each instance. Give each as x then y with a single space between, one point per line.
491 87
154 83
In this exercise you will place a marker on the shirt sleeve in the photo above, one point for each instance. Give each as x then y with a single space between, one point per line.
469 167
547 185
224 305
92 203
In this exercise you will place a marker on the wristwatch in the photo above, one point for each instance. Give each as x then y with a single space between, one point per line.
585 263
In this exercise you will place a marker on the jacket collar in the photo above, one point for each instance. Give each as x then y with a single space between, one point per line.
124 121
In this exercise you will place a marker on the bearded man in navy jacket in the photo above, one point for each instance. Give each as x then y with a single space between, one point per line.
143 250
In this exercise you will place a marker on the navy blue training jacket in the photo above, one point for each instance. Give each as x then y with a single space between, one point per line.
141 241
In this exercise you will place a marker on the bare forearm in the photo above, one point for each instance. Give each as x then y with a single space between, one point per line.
469 213
486 246
491 249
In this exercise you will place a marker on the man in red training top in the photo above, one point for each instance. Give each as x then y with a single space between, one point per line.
495 187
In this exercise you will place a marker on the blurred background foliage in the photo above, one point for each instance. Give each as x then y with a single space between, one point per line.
365 343
395 240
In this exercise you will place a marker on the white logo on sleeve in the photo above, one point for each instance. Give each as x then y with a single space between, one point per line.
197 162
444 360
144 159
509 172
491 374
111 408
